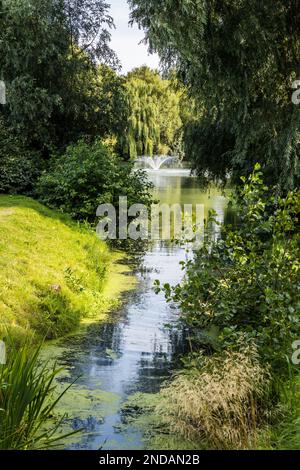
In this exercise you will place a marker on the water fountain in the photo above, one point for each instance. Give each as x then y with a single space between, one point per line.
157 161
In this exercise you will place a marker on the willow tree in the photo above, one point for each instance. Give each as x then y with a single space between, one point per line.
154 114
239 59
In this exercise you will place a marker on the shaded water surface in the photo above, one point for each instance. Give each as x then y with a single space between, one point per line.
134 351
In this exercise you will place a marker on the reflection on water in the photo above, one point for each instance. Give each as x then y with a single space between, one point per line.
134 351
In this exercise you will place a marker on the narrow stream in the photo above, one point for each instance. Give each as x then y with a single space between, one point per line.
133 351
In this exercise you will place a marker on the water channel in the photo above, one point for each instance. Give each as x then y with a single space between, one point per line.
133 351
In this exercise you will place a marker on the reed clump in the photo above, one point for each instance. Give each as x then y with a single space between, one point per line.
218 403
27 402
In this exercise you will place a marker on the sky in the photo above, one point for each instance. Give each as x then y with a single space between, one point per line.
125 39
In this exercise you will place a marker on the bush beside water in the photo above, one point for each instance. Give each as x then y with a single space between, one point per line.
88 175
241 293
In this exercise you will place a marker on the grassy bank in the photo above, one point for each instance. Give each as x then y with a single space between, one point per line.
53 272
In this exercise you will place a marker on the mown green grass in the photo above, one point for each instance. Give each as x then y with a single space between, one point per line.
52 271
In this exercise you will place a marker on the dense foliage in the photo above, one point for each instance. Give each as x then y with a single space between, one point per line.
208 146
89 175
239 59
47 52
244 287
19 168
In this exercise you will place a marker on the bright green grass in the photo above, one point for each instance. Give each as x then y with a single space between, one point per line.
285 435
52 271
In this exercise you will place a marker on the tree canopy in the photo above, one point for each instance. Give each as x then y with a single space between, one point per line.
48 54
239 58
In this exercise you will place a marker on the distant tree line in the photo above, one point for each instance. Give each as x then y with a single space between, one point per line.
63 84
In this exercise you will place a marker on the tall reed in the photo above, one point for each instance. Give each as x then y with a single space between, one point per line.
26 402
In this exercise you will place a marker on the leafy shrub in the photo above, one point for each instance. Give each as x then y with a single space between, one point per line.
216 400
89 175
19 169
247 283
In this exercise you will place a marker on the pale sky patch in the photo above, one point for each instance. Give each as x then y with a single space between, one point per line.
126 39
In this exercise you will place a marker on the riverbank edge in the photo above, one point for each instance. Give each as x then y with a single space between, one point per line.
54 271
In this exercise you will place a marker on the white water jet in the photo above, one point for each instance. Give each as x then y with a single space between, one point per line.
156 162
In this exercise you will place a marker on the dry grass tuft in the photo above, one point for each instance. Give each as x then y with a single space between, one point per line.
219 402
